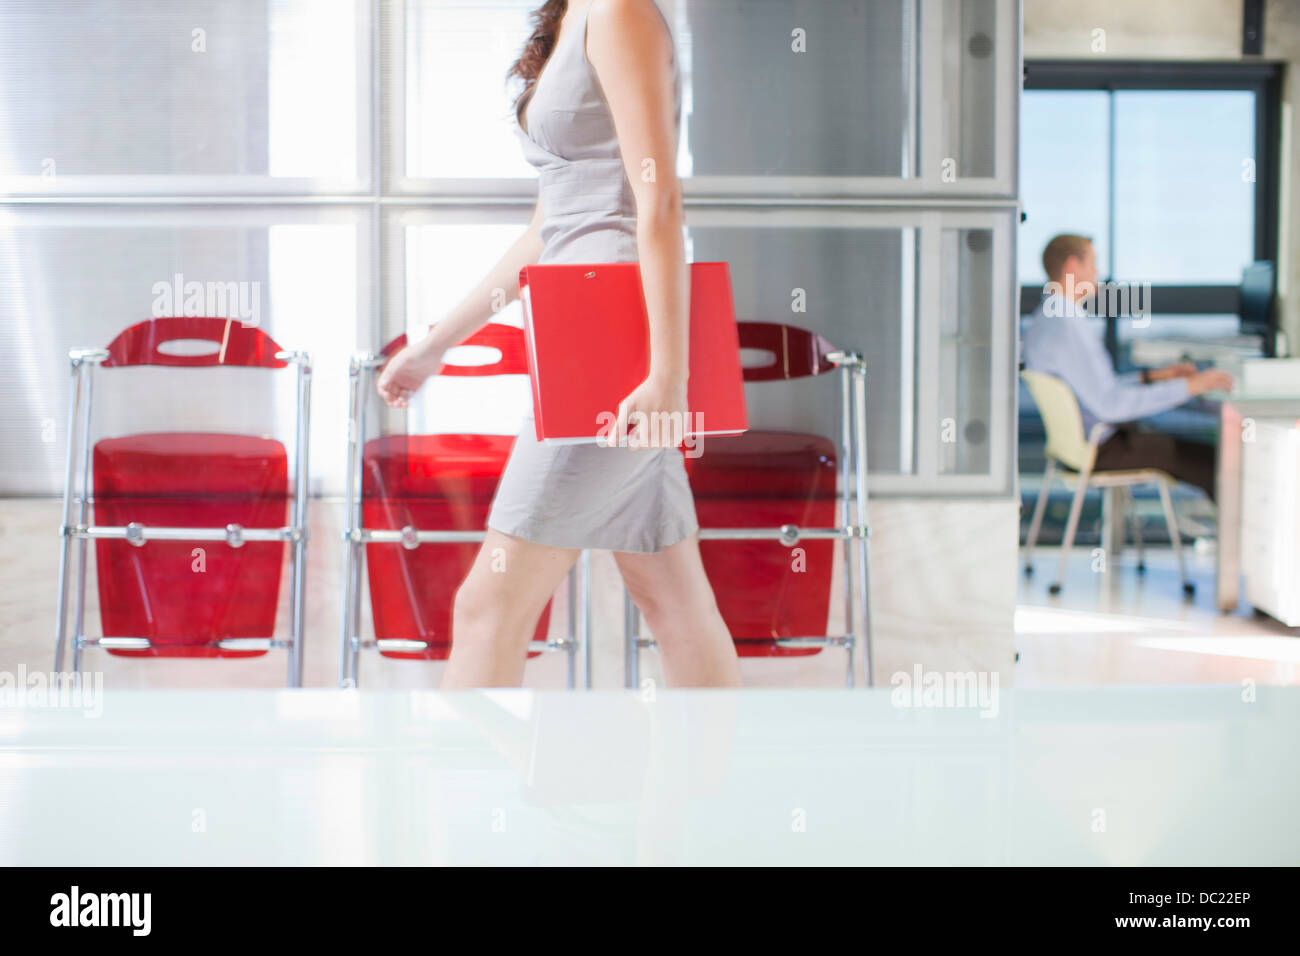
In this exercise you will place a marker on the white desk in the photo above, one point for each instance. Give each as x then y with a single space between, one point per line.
1166 350
1235 411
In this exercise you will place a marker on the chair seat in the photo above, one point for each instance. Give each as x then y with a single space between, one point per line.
1129 476
1119 477
439 467
190 463
764 589
764 464
431 483
185 595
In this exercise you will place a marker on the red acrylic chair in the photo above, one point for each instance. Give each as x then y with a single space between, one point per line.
158 494
770 514
405 492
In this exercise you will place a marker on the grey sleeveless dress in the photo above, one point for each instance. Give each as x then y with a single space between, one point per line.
587 496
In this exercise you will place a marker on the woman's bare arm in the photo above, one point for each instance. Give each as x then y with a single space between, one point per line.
408 369
496 289
631 51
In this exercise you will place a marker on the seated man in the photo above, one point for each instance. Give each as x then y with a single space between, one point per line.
1060 343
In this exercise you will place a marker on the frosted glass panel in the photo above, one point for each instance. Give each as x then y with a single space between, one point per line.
769 87
800 87
853 286
975 76
444 261
182 89
964 430
76 277
458 122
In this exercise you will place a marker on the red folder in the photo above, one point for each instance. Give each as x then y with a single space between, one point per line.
588 342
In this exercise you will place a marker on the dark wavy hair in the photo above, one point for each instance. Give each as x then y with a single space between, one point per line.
546 27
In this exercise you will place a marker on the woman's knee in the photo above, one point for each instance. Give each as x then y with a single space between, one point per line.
480 603
664 600
644 596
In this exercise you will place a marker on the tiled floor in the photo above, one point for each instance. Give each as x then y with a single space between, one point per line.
1120 627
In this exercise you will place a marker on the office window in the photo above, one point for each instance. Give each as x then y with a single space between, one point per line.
1168 176
1184 203
1064 172
1170 168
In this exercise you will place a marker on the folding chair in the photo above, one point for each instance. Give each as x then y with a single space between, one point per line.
1076 455
158 494
761 494
405 492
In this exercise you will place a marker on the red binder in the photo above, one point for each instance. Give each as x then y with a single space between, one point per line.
588 340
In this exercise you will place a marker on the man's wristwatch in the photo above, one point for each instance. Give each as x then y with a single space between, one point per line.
1146 376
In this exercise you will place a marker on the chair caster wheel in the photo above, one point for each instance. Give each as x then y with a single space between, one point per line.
1142 569
1029 570
1189 589
1053 589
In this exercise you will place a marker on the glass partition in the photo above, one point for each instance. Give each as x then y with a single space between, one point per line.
854 161
925 296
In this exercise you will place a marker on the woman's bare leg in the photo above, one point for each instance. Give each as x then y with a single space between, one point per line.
497 608
674 594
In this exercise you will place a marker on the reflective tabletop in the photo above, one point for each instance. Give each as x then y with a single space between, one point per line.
916 774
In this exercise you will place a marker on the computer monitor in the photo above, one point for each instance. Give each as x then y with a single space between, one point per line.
1258 291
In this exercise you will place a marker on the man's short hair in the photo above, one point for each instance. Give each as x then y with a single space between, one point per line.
1060 249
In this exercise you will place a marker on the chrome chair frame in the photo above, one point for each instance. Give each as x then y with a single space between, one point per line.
356 536
854 531
84 362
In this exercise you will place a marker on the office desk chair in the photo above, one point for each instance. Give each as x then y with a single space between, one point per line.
1068 448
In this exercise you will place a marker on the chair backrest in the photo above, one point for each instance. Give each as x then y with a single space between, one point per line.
501 348
1066 441
194 341
778 351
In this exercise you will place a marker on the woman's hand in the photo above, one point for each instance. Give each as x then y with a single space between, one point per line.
654 414
406 371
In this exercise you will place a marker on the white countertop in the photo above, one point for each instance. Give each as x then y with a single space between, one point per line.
1170 775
